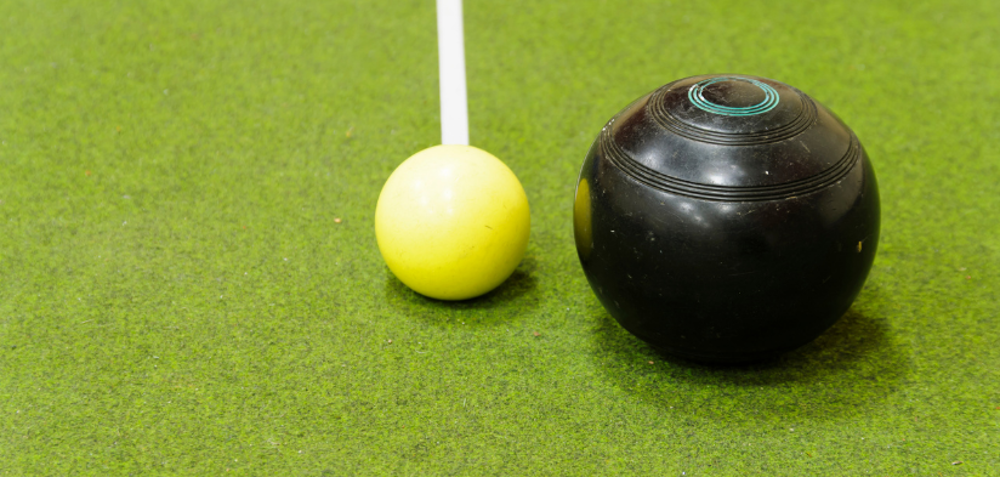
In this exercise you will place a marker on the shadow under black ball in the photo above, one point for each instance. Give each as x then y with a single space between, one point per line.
726 218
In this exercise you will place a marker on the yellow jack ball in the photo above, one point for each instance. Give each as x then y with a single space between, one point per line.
452 222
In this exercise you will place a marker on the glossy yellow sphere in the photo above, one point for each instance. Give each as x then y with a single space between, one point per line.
452 222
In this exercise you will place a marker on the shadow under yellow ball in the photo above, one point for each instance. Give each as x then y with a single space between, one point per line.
452 222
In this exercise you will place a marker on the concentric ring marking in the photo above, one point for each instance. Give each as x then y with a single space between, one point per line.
697 97
661 113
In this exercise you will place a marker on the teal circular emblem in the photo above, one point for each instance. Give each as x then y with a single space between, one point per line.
697 97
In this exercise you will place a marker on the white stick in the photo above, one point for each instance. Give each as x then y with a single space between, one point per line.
451 69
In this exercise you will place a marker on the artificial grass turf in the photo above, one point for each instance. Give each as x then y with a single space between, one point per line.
176 296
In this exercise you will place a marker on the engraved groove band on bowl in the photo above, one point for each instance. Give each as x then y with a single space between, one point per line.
643 174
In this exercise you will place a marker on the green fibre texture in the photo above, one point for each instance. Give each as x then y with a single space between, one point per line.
190 282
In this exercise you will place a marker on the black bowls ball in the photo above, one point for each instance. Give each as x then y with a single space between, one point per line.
726 218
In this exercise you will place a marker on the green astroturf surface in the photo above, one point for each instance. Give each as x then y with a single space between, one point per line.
177 296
